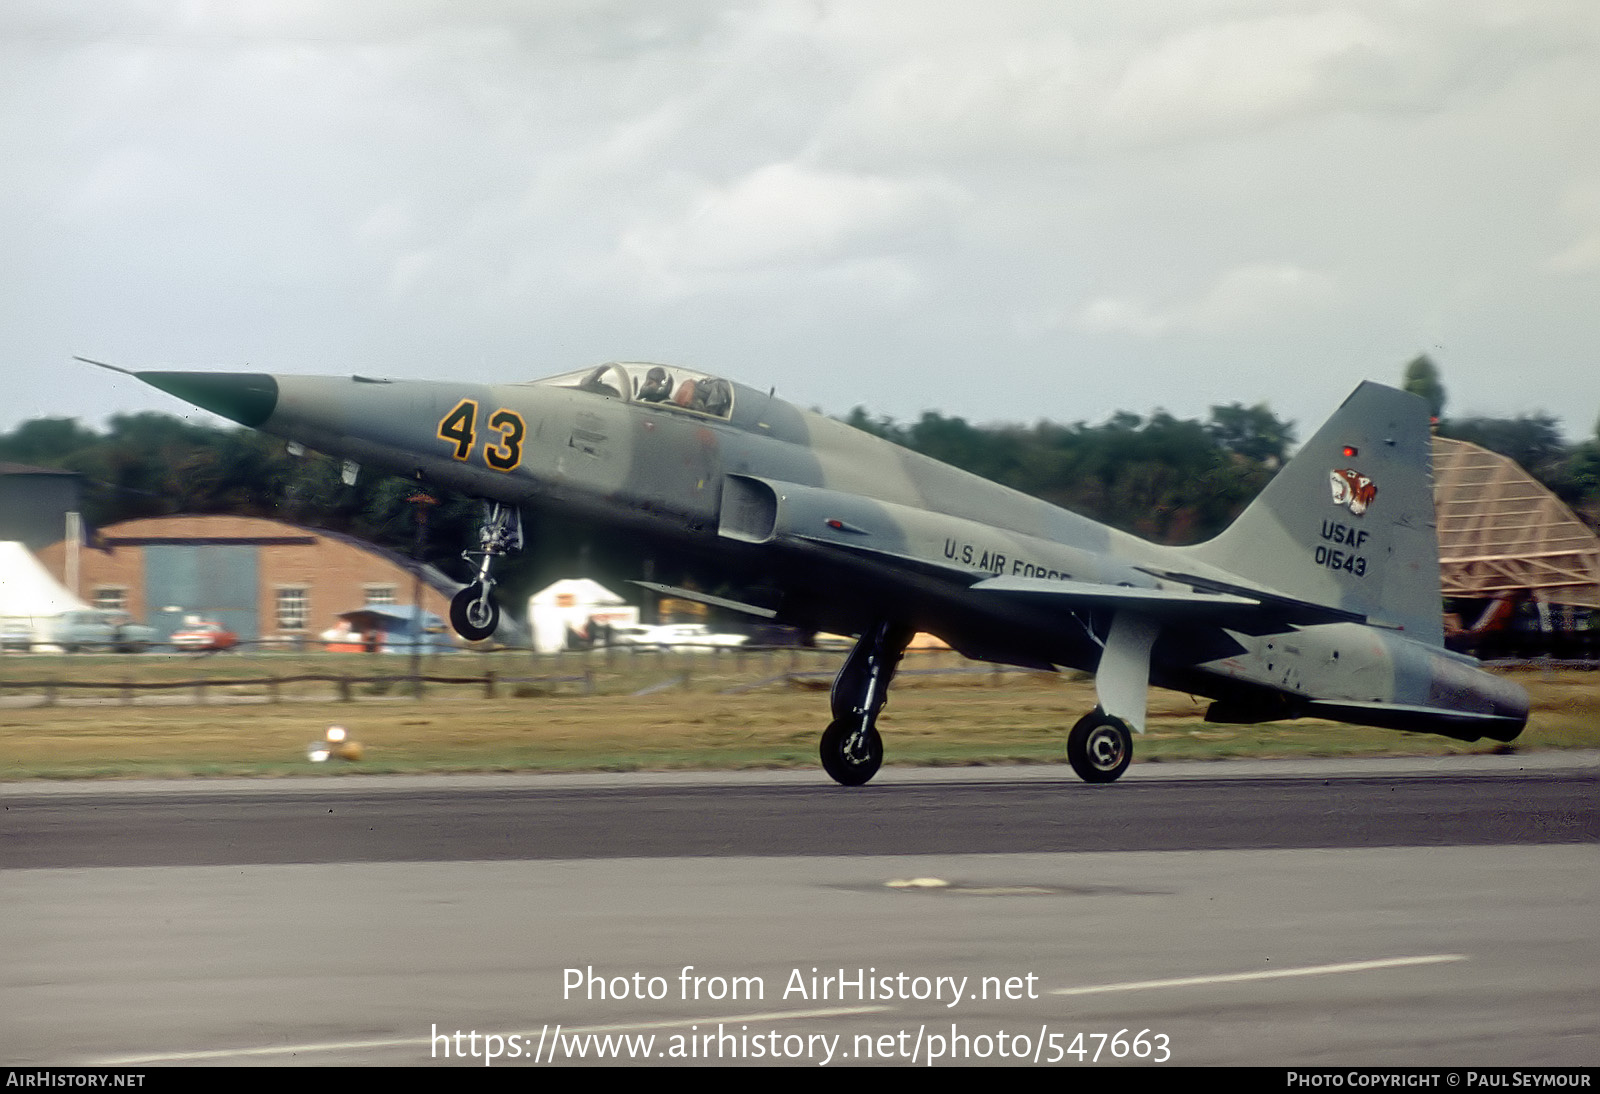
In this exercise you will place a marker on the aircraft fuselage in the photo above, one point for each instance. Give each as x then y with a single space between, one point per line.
1328 612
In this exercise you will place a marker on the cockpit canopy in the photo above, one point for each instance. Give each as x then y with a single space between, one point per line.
664 385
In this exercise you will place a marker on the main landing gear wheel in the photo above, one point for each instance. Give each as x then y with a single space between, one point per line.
851 749
1100 747
850 756
474 614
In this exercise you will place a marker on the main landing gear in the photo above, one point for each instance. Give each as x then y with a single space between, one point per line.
473 612
1100 747
851 749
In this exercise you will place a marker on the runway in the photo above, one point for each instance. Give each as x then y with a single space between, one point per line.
1383 912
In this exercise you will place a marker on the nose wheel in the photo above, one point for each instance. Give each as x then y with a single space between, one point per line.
473 612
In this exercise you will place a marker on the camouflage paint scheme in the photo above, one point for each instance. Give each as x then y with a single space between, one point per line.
1322 599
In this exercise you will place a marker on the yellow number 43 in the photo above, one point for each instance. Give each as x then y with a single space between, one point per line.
458 428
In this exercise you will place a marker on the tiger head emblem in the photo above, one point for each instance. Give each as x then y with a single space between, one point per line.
1352 489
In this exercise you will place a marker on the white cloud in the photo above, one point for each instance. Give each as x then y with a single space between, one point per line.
1223 77
1582 206
116 183
1013 81
781 215
774 181
968 97
1241 300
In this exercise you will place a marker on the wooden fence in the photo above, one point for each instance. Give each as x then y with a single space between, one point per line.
136 678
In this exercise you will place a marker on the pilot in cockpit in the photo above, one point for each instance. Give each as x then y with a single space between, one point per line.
657 386
715 396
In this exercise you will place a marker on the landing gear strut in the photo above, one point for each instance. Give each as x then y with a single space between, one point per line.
851 749
473 612
1100 746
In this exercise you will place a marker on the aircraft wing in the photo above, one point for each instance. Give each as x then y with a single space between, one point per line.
706 598
1207 601
1224 605
1173 604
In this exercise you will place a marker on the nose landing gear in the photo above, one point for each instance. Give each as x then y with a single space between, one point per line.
473 612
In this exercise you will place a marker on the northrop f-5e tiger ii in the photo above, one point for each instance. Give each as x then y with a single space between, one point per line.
1321 600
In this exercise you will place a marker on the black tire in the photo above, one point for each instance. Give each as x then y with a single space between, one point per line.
474 618
845 767
1100 747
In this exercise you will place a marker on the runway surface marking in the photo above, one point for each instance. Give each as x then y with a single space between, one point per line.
778 1016
1268 974
402 1042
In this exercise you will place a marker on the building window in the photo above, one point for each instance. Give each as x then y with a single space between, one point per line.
111 598
292 608
380 594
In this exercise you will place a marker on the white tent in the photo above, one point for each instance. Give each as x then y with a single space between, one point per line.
29 594
573 604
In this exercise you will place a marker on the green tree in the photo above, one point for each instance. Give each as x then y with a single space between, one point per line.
1252 432
1422 378
1533 440
46 442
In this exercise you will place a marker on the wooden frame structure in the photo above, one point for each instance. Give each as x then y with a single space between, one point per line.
1501 532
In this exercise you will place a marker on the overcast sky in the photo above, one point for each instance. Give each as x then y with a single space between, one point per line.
1005 210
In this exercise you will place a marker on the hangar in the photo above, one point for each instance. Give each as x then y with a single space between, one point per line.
35 501
1509 545
1500 531
262 579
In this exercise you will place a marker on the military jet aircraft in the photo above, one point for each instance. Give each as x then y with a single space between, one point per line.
1321 600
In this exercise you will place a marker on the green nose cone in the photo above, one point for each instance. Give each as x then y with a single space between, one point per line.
248 398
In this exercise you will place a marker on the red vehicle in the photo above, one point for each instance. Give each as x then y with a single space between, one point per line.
204 635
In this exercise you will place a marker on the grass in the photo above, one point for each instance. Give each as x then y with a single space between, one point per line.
592 719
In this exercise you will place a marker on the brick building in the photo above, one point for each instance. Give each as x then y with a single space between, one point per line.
262 579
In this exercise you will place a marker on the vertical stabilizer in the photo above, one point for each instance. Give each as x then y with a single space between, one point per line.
1349 521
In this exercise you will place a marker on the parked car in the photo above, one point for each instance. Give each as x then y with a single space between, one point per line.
672 635
669 636
97 629
630 634
16 635
204 634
